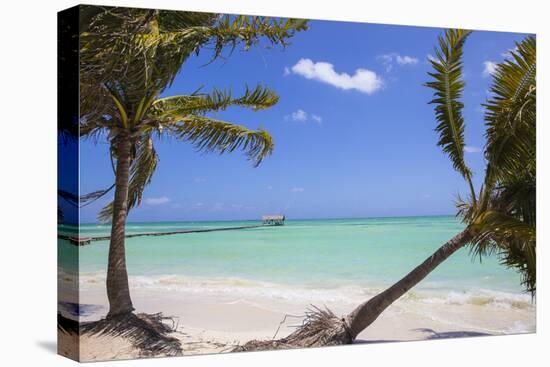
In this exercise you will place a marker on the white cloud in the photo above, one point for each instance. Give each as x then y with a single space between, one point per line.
388 60
365 81
299 115
297 189
472 149
406 60
218 206
157 201
489 68
302 116
237 206
286 71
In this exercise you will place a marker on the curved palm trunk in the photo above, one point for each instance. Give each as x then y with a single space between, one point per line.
367 312
118 291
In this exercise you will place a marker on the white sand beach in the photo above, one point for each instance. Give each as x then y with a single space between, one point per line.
215 322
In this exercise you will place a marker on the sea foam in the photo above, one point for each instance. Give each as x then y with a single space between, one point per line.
345 294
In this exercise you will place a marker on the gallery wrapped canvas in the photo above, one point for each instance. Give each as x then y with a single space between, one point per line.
231 183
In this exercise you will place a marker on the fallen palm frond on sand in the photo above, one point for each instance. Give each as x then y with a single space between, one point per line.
319 328
147 332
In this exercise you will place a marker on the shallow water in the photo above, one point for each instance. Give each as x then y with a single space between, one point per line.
336 259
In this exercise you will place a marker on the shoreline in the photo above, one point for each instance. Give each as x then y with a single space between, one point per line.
214 321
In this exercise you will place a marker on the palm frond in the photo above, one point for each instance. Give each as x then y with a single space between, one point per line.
506 225
141 170
69 197
506 220
522 256
501 228
258 98
91 197
248 30
209 135
448 86
466 210
511 116
512 239
143 50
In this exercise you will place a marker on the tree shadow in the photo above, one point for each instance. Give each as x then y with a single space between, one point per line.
450 334
433 335
366 341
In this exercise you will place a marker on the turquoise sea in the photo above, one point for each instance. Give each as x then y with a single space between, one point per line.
361 254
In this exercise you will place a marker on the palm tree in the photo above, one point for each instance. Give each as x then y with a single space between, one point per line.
128 58
179 117
500 219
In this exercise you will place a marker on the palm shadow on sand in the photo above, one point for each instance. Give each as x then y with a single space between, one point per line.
450 334
433 335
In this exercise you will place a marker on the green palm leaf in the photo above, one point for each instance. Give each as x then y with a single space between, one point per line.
131 52
512 239
248 30
209 135
511 116
506 220
448 86
499 227
256 99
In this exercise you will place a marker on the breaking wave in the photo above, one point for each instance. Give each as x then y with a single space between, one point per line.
340 294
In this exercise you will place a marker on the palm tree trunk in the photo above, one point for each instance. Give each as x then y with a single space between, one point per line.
367 312
118 291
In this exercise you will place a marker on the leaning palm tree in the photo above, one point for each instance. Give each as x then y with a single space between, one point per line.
128 58
499 218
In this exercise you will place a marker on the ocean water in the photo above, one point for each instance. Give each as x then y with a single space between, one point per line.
319 260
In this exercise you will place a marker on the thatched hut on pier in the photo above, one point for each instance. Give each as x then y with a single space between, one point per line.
273 220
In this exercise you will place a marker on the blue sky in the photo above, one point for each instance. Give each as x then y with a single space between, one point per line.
354 135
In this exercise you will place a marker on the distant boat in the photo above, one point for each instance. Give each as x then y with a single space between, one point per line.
273 220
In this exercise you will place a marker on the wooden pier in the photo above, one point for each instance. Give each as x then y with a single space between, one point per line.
82 241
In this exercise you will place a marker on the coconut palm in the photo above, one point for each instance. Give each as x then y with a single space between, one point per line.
499 218
179 117
128 57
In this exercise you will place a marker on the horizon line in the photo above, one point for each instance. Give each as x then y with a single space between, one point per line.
287 218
